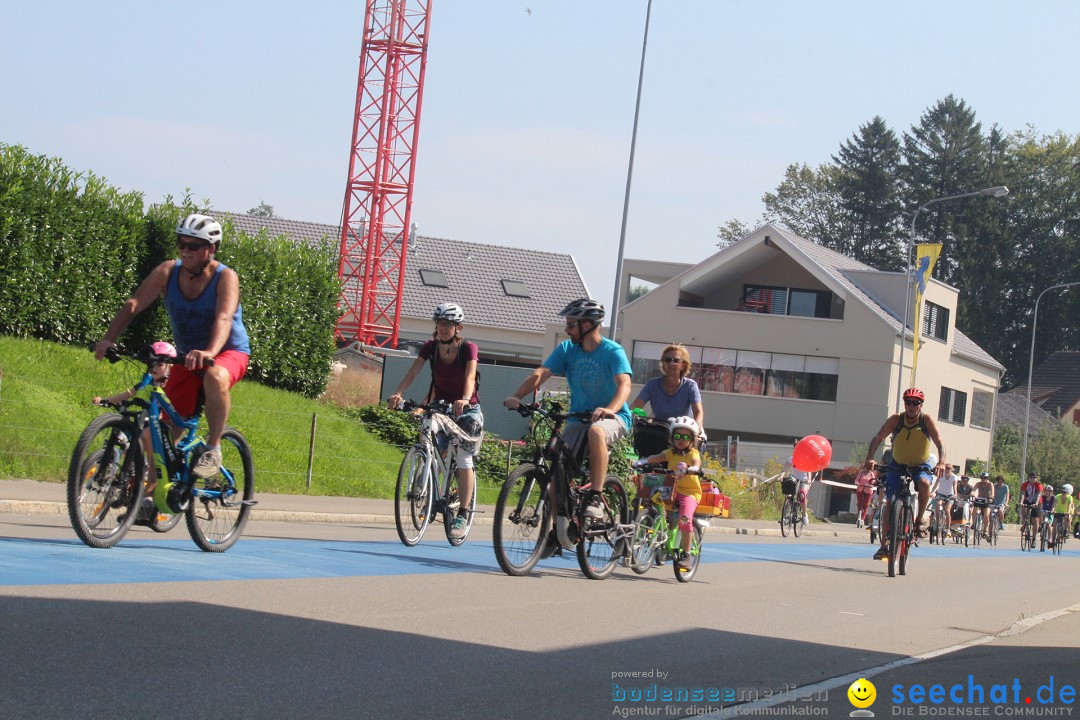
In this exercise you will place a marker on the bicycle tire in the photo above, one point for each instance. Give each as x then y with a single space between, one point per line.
1025 536
103 494
413 499
685 576
797 518
221 504
873 535
785 517
450 509
1042 536
896 536
602 542
976 528
908 532
644 541
522 520
164 522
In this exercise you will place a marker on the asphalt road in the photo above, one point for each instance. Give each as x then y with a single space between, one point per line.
342 621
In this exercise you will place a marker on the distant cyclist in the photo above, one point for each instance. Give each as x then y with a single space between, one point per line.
944 490
1001 499
912 431
803 479
1064 507
982 495
453 361
1030 492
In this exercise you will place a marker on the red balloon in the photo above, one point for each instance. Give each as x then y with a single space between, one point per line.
811 454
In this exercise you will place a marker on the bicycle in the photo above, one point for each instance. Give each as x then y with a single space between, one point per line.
107 473
1060 533
902 536
1027 527
876 504
996 511
653 538
791 514
523 515
427 482
939 527
978 532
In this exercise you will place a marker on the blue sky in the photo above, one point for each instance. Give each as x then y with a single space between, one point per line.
528 105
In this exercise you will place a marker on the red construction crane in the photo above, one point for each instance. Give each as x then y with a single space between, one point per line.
377 214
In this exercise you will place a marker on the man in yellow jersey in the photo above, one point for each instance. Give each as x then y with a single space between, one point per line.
1064 506
912 431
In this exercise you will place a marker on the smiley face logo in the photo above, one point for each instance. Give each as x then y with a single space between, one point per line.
862 693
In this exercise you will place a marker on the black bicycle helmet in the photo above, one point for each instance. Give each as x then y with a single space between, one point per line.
584 309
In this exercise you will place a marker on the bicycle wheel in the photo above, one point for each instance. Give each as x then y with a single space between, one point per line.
452 507
1025 537
164 522
785 517
603 540
907 532
976 529
104 484
1042 536
413 496
221 504
522 520
644 540
992 530
873 531
896 535
695 557
797 518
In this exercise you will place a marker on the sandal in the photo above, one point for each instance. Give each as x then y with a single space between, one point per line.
920 530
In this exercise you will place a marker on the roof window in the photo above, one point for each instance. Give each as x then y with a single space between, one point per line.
515 288
433 278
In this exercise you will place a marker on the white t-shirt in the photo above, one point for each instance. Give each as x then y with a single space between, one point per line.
800 475
947 484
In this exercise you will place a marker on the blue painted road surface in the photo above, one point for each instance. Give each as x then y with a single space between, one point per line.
69 562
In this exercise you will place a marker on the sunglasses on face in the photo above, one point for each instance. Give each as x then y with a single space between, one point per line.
672 360
913 402
682 436
192 246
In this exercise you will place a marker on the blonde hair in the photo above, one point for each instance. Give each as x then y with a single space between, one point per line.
682 353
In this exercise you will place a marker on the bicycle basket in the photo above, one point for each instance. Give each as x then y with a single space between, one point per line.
787 486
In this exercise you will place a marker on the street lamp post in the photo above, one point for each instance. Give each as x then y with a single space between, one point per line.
629 176
1031 364
997 191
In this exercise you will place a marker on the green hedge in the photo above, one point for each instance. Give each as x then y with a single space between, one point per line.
73 249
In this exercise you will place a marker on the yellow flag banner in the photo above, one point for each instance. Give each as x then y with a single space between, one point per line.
926 256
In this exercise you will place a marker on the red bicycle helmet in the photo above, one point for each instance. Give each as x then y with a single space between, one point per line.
914 393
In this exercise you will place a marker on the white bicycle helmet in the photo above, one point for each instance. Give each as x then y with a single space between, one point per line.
584 309
1067 489
202 227
683 423
449 311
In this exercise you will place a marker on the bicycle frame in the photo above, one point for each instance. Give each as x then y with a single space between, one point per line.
440 465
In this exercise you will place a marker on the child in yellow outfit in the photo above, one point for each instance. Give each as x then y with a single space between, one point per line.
680 456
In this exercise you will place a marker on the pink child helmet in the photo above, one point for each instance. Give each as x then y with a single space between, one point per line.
163 349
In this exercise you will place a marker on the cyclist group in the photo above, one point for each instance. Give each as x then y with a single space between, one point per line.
202 300
1039 504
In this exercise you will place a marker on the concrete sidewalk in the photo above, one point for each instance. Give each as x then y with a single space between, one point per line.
29 497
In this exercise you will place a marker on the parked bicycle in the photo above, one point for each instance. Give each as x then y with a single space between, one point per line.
524 517
656 537
791 515
107 476
427 483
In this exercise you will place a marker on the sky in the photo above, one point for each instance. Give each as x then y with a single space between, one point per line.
528 104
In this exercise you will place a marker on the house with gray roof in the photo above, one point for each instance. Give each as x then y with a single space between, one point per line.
509 294
789 339
1055 386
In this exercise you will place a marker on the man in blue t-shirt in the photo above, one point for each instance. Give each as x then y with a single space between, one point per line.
598 374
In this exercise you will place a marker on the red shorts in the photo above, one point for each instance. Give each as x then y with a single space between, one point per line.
183 385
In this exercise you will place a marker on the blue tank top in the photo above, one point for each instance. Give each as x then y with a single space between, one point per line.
193 320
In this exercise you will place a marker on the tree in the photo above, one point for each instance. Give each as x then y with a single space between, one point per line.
731 231
807 202
263 210
869 194
637 291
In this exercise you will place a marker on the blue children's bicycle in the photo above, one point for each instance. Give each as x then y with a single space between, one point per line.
107 478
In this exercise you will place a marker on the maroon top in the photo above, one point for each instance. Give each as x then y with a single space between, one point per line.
450 376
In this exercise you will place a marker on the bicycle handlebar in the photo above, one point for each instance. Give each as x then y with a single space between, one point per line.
662 467
115 355
439 406
525 410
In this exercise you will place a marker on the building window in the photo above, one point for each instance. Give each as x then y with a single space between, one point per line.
433 278
786 301
935 322
515 288
1076 417
981 405
952 405
747 373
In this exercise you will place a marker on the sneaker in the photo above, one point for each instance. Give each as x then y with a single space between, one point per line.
858 523
683 563
594 509
207 464
459 527
881 554
804 521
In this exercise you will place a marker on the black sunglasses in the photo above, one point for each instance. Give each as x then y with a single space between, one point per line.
193 247
913 402
672 360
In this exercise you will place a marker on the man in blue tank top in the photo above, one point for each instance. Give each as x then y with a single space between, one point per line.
202 298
